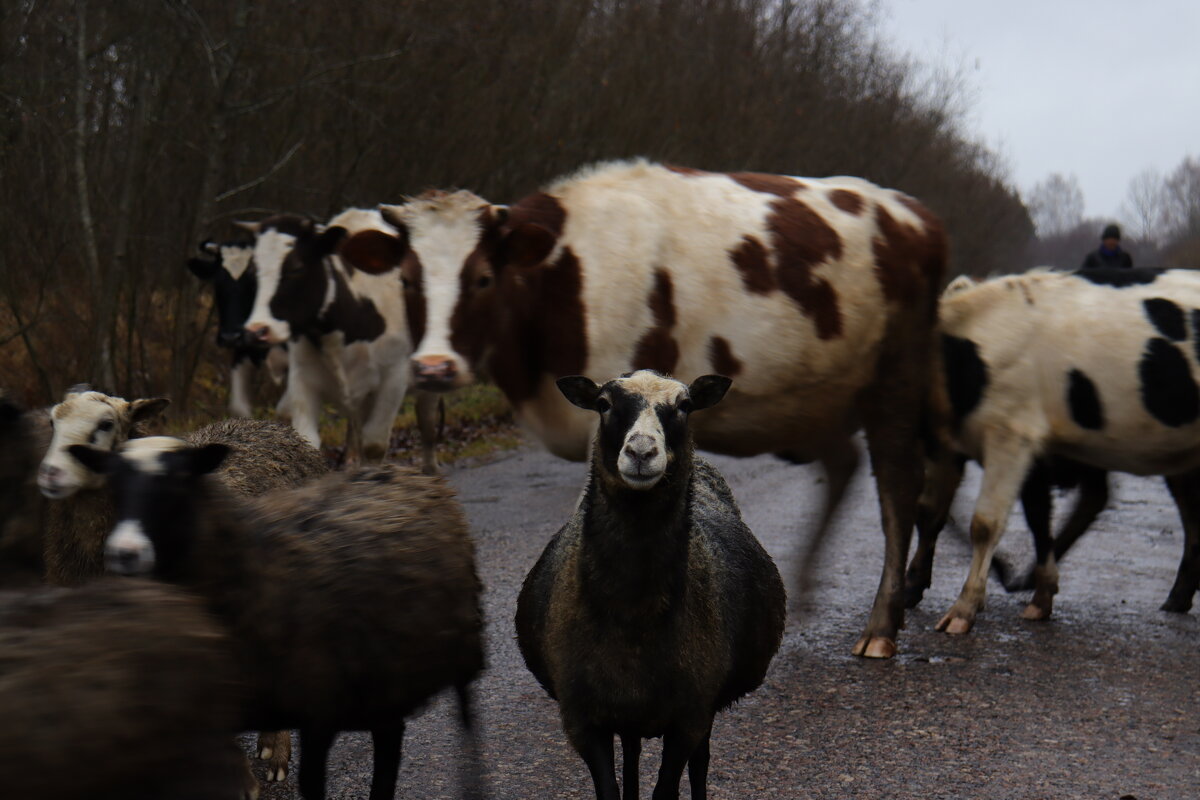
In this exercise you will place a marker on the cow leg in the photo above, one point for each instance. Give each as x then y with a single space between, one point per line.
1006 461
595 747
631 753
428 405
1185 489
1038 506
304 396
314 754
241 378
388 742
380 416
840 463
275 747
933 509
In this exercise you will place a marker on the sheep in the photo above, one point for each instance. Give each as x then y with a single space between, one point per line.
121 689
351 600
24 437
654 607
266 455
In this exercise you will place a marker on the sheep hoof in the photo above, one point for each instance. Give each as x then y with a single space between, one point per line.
875 647
265 753
955 624
1035 612
277 775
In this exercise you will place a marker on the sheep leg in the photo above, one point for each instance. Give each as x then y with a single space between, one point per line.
1184 489
631 753
1038 506
678 747
388 743
428 404
698 768
933 509
314 753
275 747
472 780
595 747
240 379
1007 459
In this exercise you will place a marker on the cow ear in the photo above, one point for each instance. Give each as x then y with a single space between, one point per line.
580 390
209 247
374 252
328 239
142 410
528 245
251 227
99 461
707 390
393 215
203 268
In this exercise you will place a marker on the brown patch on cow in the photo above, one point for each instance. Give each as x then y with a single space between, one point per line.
750 258
802 241
909 261
412 276
720 355
848 201
658 349
689 171
780 185
539 209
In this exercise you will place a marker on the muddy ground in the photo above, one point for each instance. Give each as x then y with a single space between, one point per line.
1102 701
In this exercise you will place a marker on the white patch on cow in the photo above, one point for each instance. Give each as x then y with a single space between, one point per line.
80 419
146 455
236 259
128 551
270 249
241 378
443 230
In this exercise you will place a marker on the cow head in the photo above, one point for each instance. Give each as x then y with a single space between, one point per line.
89 418
229 268
456 253
293 283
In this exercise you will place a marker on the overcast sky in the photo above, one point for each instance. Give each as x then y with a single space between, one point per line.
1103 89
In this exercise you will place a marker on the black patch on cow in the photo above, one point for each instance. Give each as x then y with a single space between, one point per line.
1167 317
1119 277
1084 401
966 375
1168 390
357 317
1196 330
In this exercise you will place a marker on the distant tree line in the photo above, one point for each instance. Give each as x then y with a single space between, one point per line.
130 130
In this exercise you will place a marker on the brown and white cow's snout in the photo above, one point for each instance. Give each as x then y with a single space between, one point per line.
438 373
262 332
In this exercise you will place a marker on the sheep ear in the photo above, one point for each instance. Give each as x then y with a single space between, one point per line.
96 460
141 410
206 459
580 390
251 227
10 412
78 388
203 268
707 390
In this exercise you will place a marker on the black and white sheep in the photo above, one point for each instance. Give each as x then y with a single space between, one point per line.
654 607
351 600
120 689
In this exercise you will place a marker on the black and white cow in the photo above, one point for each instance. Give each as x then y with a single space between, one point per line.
228 266
818 296
1099 368
346 329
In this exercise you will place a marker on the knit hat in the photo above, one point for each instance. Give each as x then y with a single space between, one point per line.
1111 232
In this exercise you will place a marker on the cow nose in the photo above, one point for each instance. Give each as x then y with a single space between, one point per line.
257 333
434 369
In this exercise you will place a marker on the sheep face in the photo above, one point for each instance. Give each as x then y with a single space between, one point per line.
154 481
643 421
88 418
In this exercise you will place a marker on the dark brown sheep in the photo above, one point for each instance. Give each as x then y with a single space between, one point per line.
351 601
24 437
121 689
654 607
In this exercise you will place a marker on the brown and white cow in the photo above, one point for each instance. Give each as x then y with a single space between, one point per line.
817 296
1100 368
348 337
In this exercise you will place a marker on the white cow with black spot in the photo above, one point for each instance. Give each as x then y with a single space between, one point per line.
1099 367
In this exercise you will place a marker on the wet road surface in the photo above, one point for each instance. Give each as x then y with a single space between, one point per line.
1102 701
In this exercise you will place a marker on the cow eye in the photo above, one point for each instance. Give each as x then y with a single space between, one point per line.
405 283
684 407
105 425
602 405
484 281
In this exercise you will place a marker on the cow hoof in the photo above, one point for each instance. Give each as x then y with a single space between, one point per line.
875 647
276 774
265 753
954 624
1035 612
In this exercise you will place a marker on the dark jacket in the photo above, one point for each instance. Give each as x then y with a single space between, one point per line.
1103 257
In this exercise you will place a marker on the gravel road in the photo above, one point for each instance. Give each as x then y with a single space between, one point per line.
1102 701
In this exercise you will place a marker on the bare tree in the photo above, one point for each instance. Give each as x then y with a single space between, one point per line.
1056 204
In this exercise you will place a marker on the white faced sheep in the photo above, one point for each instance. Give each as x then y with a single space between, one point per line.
654 607
351 600
266 455
120 690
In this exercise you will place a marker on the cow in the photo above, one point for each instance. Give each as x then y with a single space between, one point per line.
1045 370
818 296
228 266
345 326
